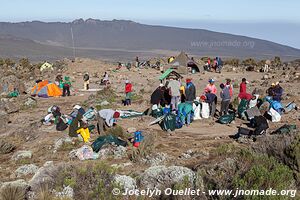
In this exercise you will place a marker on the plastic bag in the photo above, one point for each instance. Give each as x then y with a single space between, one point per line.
197 110
205 110
276 117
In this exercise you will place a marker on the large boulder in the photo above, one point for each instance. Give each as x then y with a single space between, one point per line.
126 182
166 177
22 155
26 170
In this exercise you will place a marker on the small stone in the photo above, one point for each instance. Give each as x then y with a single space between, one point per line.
22 155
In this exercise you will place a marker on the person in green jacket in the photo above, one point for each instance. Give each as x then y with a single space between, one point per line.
66 86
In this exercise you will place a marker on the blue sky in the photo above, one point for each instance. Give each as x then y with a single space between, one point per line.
219 15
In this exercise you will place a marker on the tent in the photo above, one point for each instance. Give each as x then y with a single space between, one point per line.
45 66
181 64
170 73
46 89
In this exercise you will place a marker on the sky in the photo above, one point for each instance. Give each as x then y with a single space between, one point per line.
274 20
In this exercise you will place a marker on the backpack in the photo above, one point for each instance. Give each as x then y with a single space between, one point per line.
107 139
242 107
90 114
260 124
179 123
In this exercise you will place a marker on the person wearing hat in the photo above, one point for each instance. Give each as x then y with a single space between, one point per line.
243 90
190 91
128 93
211 87
225 96
230 86
277 92
211 99
106 118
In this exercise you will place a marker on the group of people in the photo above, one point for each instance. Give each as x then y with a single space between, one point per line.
215 65
64 84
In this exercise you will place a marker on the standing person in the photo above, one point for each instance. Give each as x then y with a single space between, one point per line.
128 93
157 97
190 94
278 92
243 90
106 118
230 87
208 62
225 96
66 86
86 83
137 62
211 86
211 99
174 88
215 65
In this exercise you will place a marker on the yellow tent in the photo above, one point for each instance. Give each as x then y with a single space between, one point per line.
46 65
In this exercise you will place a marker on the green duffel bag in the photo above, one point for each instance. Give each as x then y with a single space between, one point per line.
157 113
107 139
168 123
285 129
242 107
226 119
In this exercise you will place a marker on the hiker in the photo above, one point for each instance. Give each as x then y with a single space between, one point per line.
219 64
137 62
174 89
253 101
182 94
86 83
243 90
270 90
215 65
266 67
211 99
230 87
225 96
190 91
128 93
211 86
106 118
157 97
278 92
58 80
208 62
66 86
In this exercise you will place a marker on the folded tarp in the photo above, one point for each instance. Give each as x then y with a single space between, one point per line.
129 113
107 139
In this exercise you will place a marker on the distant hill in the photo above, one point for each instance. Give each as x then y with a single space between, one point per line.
96 38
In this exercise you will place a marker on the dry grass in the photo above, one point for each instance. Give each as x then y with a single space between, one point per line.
12 193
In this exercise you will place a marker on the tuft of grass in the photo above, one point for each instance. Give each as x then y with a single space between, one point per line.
12 193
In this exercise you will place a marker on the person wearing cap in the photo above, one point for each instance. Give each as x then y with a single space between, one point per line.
243 90
270 90
174 89
277 92
211 99
128 93
158 97
190 91
211 87
106 118
225 96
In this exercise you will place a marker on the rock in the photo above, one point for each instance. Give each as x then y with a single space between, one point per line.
30 102
155 159
104 103
126 182
26 170
67 193
6 147
20 183
22 155
164 177
120 152
122 165
58 143
131 130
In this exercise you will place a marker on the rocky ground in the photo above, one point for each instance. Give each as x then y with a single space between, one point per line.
200 156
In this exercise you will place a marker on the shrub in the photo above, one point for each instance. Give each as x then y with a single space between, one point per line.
12 193
249 62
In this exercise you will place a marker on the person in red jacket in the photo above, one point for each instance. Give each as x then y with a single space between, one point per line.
128 93
243 90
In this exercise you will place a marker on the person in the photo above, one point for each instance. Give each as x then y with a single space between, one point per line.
230 87
137 62
106 118
211 99
190 95
208 62
157 97
66 86
254 100
215 65
174 89
86 83
278 92
266 67
128 93
182 94
219 64
59 80
225 96
211 86
243 90
105 79
270 90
